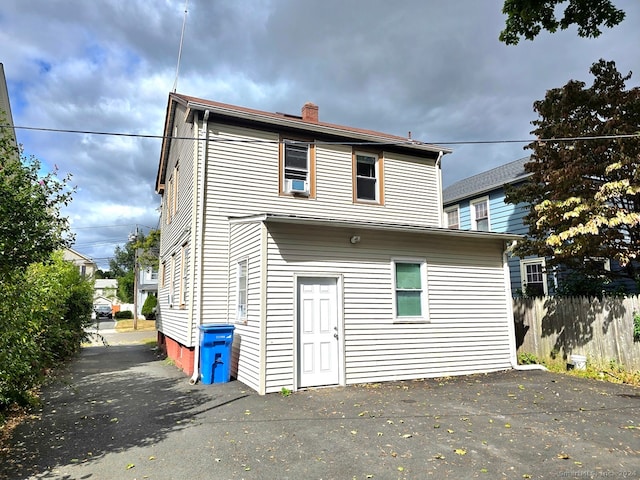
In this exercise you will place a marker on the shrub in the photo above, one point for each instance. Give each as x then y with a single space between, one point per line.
149 307
527 359
45 311
124 314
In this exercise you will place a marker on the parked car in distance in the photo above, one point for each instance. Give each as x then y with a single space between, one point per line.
103 311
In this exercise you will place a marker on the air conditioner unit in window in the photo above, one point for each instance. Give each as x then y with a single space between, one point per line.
299 187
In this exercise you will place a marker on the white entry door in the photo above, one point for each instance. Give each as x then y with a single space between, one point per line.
318 336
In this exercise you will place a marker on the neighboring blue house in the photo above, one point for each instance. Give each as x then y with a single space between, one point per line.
477 203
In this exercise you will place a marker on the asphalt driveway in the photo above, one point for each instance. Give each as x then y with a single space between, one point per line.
123 413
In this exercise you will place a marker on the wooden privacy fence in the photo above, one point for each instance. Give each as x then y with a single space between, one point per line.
552 327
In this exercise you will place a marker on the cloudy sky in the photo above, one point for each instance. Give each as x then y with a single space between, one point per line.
432 67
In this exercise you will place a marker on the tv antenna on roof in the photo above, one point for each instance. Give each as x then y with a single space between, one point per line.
184 21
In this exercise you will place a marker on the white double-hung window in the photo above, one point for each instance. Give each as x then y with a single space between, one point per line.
410 289
241 289
480 214
297 163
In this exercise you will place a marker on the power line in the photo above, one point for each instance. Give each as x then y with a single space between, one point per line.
390 142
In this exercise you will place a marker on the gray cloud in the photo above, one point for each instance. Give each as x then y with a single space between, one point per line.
433 68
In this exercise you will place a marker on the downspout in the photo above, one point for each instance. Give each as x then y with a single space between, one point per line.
439 180
201 199
510 320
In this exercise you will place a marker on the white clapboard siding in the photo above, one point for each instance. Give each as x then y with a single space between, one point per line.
243 180
246 243
173 321
468 324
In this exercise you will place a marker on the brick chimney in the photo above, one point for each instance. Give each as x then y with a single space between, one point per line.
310 112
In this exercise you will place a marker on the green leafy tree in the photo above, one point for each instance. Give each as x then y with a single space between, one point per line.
122 265
527 18
31 226
44 312
149 307
122 268
123 260
149 250
584 195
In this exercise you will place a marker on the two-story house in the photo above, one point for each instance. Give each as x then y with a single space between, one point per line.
324 246
478 203
147 285
86 266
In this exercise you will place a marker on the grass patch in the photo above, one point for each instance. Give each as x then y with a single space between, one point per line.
143 326
609 372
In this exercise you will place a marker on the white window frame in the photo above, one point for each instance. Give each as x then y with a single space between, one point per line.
290 142
523 273
172 273
472 212
424 304
184 274
377 178
174 205
242 286
447 211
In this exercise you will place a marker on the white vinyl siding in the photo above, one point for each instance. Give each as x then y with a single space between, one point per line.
173 322
468 330
246 247
410 184
228 195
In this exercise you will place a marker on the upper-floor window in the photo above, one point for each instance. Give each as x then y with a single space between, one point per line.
174 205
297 163
168 196
480 214
367 181
452 217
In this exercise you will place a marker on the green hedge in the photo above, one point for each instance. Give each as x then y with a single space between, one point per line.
44 313
124 314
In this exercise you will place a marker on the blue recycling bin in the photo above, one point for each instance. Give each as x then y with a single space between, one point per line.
215 352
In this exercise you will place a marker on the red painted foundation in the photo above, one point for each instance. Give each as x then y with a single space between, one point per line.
182 356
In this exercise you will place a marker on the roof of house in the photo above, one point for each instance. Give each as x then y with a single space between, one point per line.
283 121
5 104
71 255
484 182
106 283
368 225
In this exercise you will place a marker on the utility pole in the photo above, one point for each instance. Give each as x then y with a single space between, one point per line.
135 280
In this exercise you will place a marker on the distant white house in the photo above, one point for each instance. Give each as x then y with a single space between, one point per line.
86 266
147 285
107 288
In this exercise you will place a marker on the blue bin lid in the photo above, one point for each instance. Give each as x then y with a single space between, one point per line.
217 327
